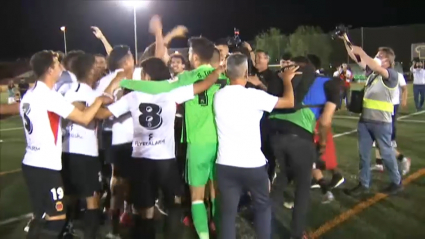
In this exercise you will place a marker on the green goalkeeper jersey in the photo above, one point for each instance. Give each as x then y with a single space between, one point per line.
200 127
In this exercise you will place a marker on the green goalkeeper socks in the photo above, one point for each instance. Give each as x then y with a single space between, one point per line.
200 219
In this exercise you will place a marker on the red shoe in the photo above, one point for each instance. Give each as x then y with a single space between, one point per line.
187 221
125 219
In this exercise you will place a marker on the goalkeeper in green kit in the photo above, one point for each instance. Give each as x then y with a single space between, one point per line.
200 128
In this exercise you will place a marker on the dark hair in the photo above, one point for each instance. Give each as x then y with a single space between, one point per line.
202 47
262 51
61 56
301 60
286 56
83 65
221 42
178 56
41 61
69 58
156 69
315 61
116 57
216 56
244 51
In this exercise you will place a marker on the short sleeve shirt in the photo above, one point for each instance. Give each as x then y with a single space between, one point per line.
41 110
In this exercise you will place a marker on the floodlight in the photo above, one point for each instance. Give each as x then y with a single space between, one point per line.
63 28
136 4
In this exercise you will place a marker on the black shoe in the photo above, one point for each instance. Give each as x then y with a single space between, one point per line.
393 189
337 179
358 190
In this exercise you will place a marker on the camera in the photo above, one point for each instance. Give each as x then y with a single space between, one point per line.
234 41
339 31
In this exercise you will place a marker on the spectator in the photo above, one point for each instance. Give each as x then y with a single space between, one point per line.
418 71
23 87
11 92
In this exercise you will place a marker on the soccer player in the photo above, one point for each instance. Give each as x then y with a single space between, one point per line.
153 164
200 128
177 64
41 110
119 154
81 165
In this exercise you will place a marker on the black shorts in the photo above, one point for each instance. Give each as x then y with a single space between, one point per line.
148 176
120 156
46 191
81 174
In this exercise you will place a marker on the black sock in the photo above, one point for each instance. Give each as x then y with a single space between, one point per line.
379 161
400 157
36 226
323 185
115 221
136 229
91 223
148 228
52 229
173 223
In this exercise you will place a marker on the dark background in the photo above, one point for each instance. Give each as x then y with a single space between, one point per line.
28 26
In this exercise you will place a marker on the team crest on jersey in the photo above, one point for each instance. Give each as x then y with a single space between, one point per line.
59 206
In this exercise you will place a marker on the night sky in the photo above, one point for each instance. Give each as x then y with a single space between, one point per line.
28 26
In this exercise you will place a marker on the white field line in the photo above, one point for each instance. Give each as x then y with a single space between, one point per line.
10 129
26 216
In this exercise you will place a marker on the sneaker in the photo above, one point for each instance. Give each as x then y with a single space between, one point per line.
358 190
374 144
337 179
125 219
288 205
187 221
159 207
328 197
377 167
27 227
112 236
394 144
393 189
314 184
405 165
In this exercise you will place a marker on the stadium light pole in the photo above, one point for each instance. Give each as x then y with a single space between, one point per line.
135 5
63 29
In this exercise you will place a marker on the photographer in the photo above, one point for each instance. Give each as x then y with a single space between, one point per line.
376 116
418 72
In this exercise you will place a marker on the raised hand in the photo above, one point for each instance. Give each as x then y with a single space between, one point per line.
97 32
155 25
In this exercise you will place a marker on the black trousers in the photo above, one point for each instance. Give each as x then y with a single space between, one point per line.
232 182
295 157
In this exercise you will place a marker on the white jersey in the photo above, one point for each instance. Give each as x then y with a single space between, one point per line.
238 112
122 127
41 110
153 119
396 96
79 139
65 81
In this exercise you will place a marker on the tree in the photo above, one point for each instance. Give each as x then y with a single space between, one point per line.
273 42
310 40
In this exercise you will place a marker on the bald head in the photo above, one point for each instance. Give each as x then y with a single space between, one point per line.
237 66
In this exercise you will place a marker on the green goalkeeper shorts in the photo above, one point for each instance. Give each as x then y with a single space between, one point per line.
200 164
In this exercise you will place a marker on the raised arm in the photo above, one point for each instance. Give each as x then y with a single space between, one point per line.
99 35
287 100
362 64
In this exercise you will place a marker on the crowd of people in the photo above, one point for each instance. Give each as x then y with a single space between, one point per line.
192 136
